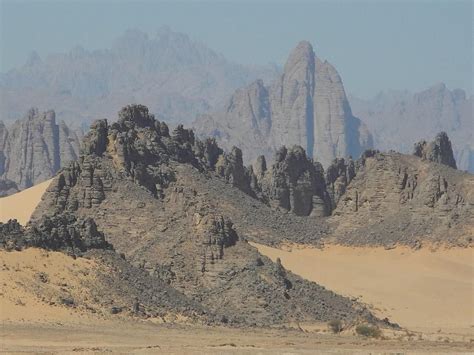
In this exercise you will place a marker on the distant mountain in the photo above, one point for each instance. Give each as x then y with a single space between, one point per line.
33 149
174 75
306 106
398 118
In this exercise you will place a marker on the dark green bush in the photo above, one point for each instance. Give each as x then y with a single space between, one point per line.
335 325
368 331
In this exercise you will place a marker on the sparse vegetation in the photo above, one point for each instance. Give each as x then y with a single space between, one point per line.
368 331
335 325
67 301
42 277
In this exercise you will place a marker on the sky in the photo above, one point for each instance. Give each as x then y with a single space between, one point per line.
375 45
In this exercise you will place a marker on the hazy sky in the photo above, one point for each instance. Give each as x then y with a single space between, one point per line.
375 45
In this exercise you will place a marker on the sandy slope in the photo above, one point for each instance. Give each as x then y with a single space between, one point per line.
25 297
32 320
22 204
421 290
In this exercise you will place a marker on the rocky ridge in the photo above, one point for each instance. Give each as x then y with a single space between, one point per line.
397 119
33 149
144 151
306 106
135 171
401 199
206 206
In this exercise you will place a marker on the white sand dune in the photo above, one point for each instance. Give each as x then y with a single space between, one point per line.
21 205
421 290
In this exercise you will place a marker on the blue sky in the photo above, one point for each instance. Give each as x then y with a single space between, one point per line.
375 45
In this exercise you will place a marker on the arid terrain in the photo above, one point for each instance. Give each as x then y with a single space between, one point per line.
22 205
217 177
428 292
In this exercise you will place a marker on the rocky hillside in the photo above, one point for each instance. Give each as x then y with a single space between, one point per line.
306 106
152 193
401 199
170 216
108 285
397 119
174 75
33 149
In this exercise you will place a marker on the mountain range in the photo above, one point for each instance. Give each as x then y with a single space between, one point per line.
175 76
398 118
257 109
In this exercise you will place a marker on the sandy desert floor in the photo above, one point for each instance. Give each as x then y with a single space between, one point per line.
425 291
142 338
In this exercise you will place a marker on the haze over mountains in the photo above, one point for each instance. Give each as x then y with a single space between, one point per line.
174 75
255 108
398 118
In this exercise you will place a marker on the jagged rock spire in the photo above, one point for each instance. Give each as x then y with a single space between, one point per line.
439 150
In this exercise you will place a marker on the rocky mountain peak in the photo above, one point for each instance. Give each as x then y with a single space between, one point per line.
301 58
438 151
135 115
306 106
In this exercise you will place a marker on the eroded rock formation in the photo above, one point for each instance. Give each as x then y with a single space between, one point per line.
33 149
59 232
438 151
306 106
293 183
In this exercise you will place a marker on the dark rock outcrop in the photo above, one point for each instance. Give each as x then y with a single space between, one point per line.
293 183
438 151
338 175
59 232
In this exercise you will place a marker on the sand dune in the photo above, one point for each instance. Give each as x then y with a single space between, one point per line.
21 205
421 290
30 300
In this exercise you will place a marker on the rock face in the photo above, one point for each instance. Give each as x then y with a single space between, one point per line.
35 148
397 119
7 187
306 106
438 151
59 232
402 199
293 183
